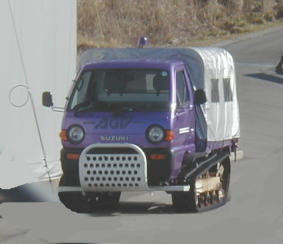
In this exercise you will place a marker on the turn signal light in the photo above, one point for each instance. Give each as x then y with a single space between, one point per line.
73 156
157 156
63 135
169 135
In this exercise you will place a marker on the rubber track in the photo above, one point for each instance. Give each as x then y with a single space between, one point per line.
185 201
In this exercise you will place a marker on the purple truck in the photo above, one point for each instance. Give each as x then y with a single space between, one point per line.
149 119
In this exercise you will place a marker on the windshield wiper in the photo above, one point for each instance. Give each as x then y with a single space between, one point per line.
97 106
121 110
144 106
84 110
152 107
85 107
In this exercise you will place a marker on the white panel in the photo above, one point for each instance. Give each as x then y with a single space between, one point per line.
222 117
38 53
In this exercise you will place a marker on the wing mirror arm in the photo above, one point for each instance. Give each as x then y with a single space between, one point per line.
47 101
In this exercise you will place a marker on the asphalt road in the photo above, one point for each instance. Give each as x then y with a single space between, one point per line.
254 214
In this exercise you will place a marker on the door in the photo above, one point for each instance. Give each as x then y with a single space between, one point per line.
184 118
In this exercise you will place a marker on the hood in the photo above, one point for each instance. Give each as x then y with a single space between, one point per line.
123 127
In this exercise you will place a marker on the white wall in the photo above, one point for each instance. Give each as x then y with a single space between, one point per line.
44 60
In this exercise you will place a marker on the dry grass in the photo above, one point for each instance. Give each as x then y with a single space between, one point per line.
119 23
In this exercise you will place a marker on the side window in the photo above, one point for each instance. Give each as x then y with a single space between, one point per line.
80 94
227 90
182 91
214 91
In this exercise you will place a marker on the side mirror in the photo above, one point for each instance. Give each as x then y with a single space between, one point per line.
47 99
200 97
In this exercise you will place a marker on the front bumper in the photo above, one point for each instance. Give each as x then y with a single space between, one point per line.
158 171
118 167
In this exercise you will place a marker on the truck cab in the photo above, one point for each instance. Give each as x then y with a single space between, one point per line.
148 103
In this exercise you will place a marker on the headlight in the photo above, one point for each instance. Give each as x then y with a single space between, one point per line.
76 134
155 134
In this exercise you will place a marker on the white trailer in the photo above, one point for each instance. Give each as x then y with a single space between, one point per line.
38 53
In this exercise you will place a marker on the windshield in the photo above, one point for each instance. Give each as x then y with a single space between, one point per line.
121 90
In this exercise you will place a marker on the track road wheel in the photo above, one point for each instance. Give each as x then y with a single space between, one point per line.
213 197
221 195
201 201
207 199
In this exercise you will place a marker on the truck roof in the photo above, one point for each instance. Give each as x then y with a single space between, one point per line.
141 63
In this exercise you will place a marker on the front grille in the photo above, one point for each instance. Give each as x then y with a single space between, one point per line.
113 172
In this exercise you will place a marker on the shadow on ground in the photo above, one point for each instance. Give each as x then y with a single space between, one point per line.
267 77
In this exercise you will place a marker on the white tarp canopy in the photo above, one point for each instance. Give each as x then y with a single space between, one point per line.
221 110
38 53
210 68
